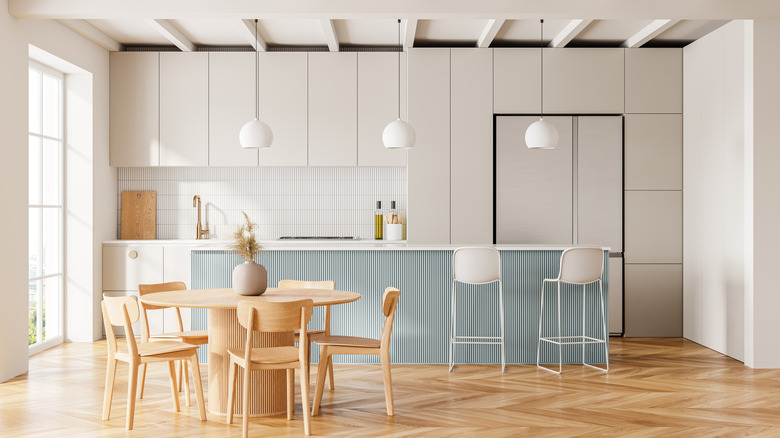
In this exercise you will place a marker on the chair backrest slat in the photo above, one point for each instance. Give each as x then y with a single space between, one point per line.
581 265
274 316
476 265
122 311
389 305
144 289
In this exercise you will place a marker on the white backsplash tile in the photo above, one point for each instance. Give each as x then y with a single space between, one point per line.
283 201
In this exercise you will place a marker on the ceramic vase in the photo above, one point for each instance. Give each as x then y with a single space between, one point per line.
250 278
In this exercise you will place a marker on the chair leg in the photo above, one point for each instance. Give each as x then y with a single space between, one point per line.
321 370
501 318
132 383
179 375
142 381
452 328
331 381
174 391
109 390
195 367
231 390
305 398
291 392
245 404
186 382
388 381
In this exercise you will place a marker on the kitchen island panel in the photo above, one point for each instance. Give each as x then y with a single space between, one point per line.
421 330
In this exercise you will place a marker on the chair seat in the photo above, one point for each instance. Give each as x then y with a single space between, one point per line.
348 341
195 337
157 348
269 355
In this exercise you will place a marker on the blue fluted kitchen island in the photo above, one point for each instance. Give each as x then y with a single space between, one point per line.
423 273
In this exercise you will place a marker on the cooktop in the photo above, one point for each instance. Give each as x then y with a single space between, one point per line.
316 237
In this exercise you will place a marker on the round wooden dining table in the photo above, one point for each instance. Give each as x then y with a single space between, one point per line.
269 394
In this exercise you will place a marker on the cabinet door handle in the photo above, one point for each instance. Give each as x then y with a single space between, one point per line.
133 254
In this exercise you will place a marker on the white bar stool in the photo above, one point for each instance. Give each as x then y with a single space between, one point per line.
476 266
578 266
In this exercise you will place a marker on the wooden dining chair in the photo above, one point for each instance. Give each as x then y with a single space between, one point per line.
314 334
331 345
192 337
272 317
124 311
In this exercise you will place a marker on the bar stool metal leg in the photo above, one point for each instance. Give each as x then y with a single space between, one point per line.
501 317
560 347
541 314
452 328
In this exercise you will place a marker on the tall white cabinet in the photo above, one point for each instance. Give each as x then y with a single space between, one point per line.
429 161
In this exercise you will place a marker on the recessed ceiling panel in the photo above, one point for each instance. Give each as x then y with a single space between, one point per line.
213 32
616 31
306 32
130 32
526 32
460 31
368 32
690 30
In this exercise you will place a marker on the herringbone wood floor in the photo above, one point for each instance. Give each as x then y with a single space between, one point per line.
656 387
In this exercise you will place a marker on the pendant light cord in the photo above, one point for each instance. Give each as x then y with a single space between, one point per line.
541 68
399 69
257 75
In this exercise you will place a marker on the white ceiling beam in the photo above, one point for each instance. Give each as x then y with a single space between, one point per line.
410 30
569 32
649 32
329 30
172 34
422 10
489 32
248 30
93 34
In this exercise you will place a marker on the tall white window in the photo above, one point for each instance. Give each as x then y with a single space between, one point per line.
46 207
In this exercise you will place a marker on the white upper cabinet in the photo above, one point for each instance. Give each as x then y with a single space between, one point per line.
583 81
283 106
378 104
654 80
184 109
134 109
332 109
516 81
231 105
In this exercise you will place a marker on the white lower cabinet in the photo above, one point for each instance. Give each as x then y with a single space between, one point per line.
125 267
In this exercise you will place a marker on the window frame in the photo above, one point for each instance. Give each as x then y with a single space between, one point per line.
49 342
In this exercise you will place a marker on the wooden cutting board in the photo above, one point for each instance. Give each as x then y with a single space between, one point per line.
139 215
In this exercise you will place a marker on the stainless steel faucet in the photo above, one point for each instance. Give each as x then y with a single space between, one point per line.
200 231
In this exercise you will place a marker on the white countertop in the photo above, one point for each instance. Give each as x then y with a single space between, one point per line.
335 245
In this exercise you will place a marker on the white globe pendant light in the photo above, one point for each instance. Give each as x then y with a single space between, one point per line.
399 134
541 134
256 134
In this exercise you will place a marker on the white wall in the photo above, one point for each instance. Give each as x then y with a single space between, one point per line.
762 322
730 183
714 92
16 36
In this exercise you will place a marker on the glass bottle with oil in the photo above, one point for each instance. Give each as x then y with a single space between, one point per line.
378 221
